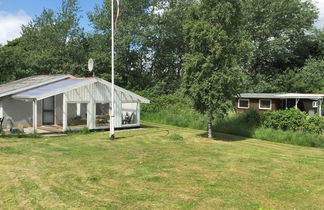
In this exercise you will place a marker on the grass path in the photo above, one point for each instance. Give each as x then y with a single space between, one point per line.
145 169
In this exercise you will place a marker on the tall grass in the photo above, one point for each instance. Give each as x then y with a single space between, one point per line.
289 137
183 118
236 125
249 125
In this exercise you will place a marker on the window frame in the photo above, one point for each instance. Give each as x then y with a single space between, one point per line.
243 99
265 99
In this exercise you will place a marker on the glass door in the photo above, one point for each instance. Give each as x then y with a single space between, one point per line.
48 111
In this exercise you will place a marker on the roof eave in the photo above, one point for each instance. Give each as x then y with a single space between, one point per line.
34 86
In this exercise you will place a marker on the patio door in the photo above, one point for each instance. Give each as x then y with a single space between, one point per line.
48 111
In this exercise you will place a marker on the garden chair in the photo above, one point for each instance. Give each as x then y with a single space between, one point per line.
130 119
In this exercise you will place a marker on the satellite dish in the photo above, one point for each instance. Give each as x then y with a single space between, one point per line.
90 64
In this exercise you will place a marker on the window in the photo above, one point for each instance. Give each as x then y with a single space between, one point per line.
102 114
265 104
243 103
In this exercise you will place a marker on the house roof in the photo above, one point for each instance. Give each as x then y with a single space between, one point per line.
68 84
29 83
283 95
55 88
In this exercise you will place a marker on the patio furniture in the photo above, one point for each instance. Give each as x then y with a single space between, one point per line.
128 119
102 119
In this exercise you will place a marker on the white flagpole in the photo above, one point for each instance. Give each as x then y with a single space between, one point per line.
112 116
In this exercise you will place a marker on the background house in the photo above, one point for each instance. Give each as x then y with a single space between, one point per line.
66 103
310 103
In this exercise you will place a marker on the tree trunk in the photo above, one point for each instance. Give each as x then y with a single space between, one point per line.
209 121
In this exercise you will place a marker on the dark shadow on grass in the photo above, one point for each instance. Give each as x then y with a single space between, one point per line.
224 137
148 126
162 133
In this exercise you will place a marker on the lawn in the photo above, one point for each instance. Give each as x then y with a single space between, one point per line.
146 169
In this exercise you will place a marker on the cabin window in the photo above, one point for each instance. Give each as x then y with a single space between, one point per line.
130 114
243 103
102 114
265 104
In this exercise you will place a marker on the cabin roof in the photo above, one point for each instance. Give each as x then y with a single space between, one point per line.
29 83
311 96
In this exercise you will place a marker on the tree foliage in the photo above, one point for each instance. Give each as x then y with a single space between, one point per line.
217 50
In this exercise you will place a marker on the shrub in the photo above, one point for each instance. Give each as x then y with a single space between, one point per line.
85 130
294 120
175 137
314 124
290 119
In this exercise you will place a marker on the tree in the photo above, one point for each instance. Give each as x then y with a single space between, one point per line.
213 65
280 33
52 43
149 42
308 79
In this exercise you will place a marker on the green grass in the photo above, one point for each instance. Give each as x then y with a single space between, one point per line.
290 137
153 169
187 118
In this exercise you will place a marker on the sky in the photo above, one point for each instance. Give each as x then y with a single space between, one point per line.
14 13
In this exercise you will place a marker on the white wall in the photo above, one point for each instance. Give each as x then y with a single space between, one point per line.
20 112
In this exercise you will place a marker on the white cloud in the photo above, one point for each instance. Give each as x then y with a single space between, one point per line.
10 25
320 5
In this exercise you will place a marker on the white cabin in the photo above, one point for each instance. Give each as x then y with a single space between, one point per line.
67 103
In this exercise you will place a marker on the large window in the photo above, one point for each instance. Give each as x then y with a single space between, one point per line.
265 104
77 115
129 114
243 103
102 114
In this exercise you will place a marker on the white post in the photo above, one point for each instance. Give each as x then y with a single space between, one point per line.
112 117
1 109
296 106
65 122
55 110
78 109
139 113
34 115
320 107
92 115
286 103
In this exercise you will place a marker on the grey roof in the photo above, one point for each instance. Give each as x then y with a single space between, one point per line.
55 88
68 84
283 95
29 83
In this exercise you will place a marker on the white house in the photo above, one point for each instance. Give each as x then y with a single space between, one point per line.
66 103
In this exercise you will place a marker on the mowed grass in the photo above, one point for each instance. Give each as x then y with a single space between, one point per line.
159 167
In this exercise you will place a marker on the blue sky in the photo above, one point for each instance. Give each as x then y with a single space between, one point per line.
14 13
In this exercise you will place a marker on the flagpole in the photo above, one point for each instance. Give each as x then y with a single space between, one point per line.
112 116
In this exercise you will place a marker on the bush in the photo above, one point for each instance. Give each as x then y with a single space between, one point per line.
85 130
290 119
314 124
294 120
175 137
